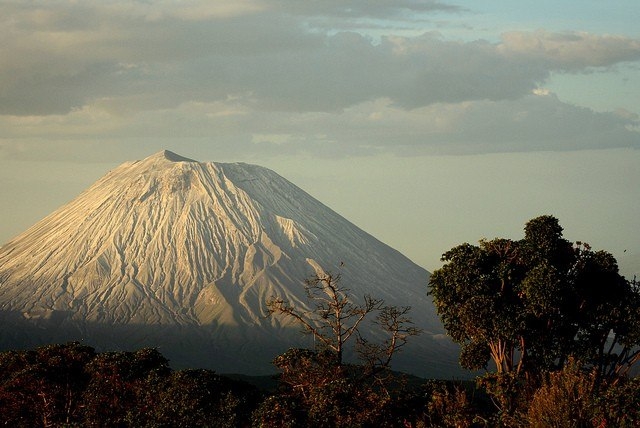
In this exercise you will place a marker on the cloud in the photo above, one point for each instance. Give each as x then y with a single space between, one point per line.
532 123
233 129
255 76
383 9
570 51
66 55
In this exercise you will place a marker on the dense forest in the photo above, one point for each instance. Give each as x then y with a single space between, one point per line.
552 324
72 385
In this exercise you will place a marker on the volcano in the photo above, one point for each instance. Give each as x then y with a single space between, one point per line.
182 255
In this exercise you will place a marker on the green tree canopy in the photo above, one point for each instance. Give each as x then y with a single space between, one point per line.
528 305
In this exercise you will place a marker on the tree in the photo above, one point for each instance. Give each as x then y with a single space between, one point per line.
335 319
476 297
198 398
116 392
43 387
71 385
316 387
528 305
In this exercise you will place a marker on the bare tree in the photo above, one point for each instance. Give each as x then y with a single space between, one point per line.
398 326
334 319
316 380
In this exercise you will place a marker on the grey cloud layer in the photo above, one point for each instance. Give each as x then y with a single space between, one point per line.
254 68
382 9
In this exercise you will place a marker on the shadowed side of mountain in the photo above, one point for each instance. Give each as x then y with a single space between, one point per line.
226 350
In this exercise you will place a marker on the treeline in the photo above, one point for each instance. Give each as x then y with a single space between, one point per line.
70 385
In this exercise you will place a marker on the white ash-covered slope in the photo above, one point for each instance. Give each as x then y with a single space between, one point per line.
183 255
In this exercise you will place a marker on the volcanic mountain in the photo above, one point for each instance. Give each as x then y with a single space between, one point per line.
181 255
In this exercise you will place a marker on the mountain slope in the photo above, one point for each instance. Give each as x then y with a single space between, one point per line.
183 255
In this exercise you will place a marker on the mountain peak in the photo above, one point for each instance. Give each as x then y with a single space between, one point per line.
183 255
170 156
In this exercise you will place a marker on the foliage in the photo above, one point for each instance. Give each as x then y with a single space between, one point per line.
618 404
565 399
193 398
138 389
571 398
509 394
528 305
340 402
72 385
320 389
43 387
316 391
449 406
279 411
114 395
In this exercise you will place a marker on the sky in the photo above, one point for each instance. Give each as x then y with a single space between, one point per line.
427 123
